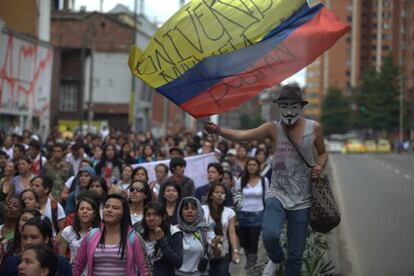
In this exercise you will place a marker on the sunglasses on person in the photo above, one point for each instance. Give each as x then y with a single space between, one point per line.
138 190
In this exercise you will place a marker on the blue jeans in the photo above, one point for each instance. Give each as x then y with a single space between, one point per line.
273 219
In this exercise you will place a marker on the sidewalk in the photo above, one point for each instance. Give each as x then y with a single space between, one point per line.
238 269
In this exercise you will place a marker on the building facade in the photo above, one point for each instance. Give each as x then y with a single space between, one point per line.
26 60
379 28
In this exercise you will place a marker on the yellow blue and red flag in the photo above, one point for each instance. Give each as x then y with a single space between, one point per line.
214 55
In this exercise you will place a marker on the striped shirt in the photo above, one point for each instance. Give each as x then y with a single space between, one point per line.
107 262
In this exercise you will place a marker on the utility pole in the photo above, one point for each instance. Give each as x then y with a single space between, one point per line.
401 130
82 84
91 64
133 92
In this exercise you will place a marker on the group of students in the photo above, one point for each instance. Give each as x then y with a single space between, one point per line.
105 217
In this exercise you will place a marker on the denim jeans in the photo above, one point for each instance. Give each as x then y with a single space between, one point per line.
273 219
219 266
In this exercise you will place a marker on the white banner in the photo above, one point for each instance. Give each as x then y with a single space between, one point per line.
196 167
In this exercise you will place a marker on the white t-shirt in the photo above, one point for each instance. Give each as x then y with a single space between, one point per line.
48 213
227 214
70 236
253 196
193 251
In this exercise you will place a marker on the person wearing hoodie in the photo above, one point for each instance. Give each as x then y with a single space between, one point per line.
198 240
83 180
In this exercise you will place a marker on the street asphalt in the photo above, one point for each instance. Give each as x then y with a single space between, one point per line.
376 196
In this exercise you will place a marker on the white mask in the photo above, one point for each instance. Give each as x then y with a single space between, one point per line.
290 112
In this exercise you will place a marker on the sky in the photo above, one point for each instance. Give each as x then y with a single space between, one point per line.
160 11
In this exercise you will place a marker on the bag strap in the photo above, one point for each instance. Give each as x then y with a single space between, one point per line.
201 237
264 190
54 205
296 147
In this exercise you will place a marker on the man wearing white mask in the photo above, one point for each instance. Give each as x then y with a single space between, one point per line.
289 196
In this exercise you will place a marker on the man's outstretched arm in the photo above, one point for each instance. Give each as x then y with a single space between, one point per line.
266 130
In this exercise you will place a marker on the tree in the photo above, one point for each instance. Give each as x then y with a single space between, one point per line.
335 112
377 98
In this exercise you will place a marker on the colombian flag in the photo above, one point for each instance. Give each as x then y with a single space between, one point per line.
212 56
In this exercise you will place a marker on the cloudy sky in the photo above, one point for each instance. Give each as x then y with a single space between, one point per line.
159 11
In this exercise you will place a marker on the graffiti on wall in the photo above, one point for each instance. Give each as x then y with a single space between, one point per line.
25 77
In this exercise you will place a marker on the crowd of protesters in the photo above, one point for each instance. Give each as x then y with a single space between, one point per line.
84 205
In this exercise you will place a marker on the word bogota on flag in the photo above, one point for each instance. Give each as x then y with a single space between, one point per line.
212 56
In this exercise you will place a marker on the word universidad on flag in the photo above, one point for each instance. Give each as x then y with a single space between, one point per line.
213 56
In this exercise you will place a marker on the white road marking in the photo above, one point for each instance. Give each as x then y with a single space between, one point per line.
397 171
407 176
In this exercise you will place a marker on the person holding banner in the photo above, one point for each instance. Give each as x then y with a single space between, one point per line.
289 195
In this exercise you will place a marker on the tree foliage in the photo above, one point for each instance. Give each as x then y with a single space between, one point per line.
377 98
335 112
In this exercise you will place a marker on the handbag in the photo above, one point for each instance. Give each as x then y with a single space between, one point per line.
324 212
203 263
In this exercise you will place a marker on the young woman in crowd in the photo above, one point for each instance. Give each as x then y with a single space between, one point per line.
230 183
30 199
24 216
114 248
97 152
123 184
242 155
7 230
73 181
198 240
170 199
164 242
110 167
127 154
6 186
22 180
38 260
140 174
265 168
84 179
36 231
253 188
147 154
98 185
139 195
221 220
87 217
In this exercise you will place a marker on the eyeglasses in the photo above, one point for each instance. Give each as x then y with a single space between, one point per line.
138 190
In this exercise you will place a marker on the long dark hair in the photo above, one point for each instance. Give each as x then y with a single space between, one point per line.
134 172
163 201
103 184
245 178
46 257
44 226
17 235
216 213
125 223
96 220
25 191
162 212
116 162
147 191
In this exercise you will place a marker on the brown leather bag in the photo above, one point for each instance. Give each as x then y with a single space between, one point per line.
324 212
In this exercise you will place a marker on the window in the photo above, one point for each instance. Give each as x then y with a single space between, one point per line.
68 100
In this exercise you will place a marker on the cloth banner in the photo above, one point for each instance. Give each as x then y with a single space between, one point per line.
196 167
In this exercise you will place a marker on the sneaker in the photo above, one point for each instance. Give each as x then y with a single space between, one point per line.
270 269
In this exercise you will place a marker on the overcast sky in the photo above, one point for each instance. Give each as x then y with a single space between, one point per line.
160 11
